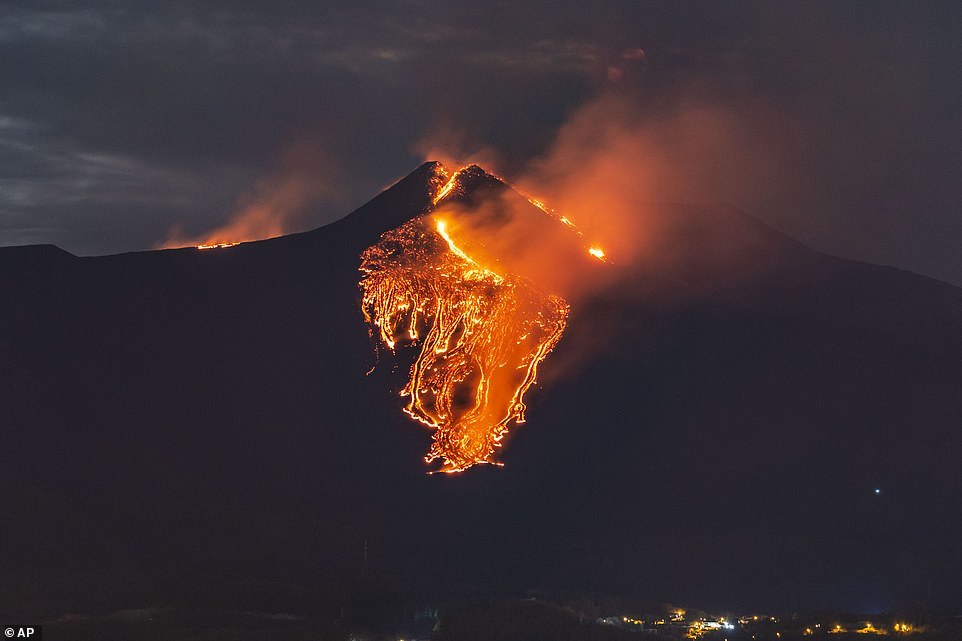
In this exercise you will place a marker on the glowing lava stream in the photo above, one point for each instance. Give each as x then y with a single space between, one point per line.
481 335
216 245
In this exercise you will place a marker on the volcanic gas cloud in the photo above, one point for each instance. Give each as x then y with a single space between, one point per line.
479 330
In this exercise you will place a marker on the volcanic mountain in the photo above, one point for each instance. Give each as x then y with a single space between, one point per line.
196 427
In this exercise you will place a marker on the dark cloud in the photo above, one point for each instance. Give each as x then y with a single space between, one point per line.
120 120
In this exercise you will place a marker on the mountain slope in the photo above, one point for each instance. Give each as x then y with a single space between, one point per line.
711 428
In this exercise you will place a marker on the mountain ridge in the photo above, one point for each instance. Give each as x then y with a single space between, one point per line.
207 413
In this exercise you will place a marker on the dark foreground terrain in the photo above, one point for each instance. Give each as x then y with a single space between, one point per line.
193 431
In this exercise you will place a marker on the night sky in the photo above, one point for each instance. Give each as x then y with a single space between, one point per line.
120 121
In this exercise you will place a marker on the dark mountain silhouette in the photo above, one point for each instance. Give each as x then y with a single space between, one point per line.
188 427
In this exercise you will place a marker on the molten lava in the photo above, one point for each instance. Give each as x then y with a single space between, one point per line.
480 333
216 245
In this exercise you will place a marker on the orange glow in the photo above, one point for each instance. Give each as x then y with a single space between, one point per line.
597 252
480 335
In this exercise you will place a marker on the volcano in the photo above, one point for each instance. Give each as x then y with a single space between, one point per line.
187 427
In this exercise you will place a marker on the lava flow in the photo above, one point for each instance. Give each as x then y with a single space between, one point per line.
216 245
481 333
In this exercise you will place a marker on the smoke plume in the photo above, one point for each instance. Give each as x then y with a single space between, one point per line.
275 205
622 171
615 169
